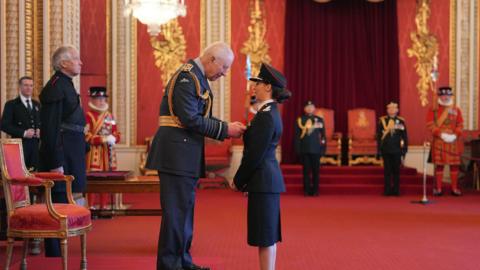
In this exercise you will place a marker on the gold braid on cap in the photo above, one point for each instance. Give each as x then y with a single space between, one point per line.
205 96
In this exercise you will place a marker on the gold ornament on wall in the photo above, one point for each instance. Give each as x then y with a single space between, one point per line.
169 49
256 46
425 50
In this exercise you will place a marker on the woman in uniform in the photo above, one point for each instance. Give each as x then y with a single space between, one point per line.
259 173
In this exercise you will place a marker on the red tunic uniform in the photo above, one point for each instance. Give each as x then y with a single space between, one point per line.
445 120
102 156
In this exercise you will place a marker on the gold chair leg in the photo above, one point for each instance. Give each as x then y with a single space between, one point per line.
10 243
83 243
23 264
64 247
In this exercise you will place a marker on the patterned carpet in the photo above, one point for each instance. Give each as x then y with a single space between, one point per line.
328 232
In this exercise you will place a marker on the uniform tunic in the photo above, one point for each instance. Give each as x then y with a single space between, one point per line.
259 174
102 156
448 120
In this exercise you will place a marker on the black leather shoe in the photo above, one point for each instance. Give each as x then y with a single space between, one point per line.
437 192
196 267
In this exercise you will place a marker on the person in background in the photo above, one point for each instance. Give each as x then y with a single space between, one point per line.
259 173
21 119
445 122
310 145
392 145
101 135
62 137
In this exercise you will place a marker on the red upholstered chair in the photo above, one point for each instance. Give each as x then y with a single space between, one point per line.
46 220
333 154
217 159
362 144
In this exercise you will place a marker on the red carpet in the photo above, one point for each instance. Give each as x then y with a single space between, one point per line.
353 180
327 232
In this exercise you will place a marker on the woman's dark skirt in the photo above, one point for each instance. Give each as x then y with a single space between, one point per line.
264 227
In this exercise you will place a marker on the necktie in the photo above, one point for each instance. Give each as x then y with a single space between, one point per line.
29 106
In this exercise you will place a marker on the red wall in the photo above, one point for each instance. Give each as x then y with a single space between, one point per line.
275 21
92 46
150 88
410 106
149 84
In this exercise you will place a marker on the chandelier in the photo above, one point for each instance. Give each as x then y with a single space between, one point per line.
154 13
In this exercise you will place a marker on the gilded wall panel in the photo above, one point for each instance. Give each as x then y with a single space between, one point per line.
215 26
12 48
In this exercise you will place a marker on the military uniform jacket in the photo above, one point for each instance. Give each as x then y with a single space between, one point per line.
180 151
310 135
60 105
392 135
259 170
16 118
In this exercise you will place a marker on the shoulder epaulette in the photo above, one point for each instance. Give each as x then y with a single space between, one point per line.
383 117
187 67
401 118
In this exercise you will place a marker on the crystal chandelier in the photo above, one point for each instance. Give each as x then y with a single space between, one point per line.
154 13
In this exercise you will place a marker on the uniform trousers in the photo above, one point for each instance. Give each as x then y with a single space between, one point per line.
391 167
177 199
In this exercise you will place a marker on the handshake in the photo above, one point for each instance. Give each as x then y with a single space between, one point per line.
448 138
236 129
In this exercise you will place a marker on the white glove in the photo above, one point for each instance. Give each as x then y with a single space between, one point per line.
111 140
453 137
444 136
448 138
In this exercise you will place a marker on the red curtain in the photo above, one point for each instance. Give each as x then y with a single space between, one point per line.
341 55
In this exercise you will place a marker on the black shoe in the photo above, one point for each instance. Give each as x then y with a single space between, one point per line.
437 192
196 267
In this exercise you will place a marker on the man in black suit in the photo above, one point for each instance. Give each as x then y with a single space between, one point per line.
392 141
310 144
21 119
177 150
62 147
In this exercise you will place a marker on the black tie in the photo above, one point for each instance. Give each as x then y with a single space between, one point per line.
29 106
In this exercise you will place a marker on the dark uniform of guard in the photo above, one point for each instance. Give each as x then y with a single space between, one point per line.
16 119
392 142
62 140
177 153
310 145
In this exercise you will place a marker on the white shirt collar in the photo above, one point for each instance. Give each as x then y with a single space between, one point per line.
24 100
199 64
260 106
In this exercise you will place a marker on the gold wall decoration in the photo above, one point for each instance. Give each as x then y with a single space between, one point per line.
37 61
12 57
256 46
169 49
425 50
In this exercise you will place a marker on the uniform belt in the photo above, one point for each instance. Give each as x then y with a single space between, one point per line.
73 127
169 121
